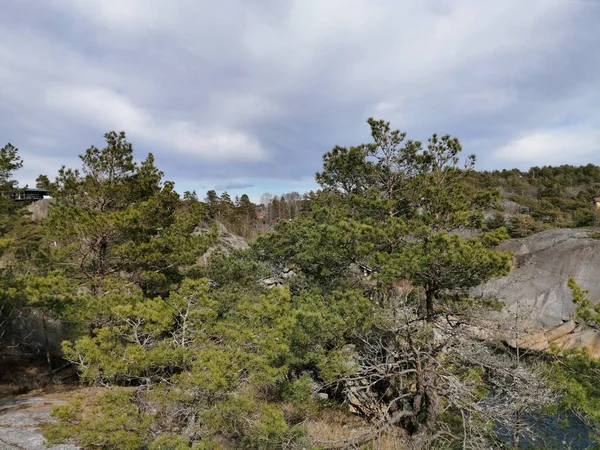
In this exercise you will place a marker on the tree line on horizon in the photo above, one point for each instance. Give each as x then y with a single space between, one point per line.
535 200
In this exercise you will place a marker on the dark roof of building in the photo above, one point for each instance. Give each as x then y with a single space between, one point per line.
34 190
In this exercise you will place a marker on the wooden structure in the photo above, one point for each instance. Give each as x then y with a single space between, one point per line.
597 202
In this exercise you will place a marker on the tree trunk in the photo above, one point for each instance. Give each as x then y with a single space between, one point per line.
429 304
46 342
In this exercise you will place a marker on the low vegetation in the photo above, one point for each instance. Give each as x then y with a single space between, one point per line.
365 341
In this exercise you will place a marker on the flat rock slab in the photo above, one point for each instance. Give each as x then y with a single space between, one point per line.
21 420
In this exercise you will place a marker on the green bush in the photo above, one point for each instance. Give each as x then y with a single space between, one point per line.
110 421
299 393
522 226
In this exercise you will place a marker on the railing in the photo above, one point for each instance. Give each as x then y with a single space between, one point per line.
23 196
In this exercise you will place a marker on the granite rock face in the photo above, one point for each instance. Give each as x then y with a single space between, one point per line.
536 290
39 209
21 419
227 242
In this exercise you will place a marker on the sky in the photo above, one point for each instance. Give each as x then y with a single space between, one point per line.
247 96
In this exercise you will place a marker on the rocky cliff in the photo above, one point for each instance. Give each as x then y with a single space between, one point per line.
538 307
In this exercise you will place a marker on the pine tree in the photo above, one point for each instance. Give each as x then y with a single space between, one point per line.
388 216
10 161
116 218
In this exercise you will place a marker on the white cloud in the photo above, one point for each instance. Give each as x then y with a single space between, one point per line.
104 109
35 164
124 15
573 145
213 144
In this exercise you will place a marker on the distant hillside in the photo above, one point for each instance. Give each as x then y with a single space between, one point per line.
543 198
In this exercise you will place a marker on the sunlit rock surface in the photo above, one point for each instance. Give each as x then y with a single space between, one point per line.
538 304
21 420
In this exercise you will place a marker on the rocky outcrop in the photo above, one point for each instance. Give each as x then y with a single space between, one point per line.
226 242
21 420
39 209
536 297
279 278
30 328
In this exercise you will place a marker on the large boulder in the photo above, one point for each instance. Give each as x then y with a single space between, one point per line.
536 295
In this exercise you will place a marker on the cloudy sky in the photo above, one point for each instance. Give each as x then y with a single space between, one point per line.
247 96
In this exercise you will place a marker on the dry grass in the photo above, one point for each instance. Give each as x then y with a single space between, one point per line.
60 394
334 426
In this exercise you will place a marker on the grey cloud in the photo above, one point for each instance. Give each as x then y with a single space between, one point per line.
226 186
225 91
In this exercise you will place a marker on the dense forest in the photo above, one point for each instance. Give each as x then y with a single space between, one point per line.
371 321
